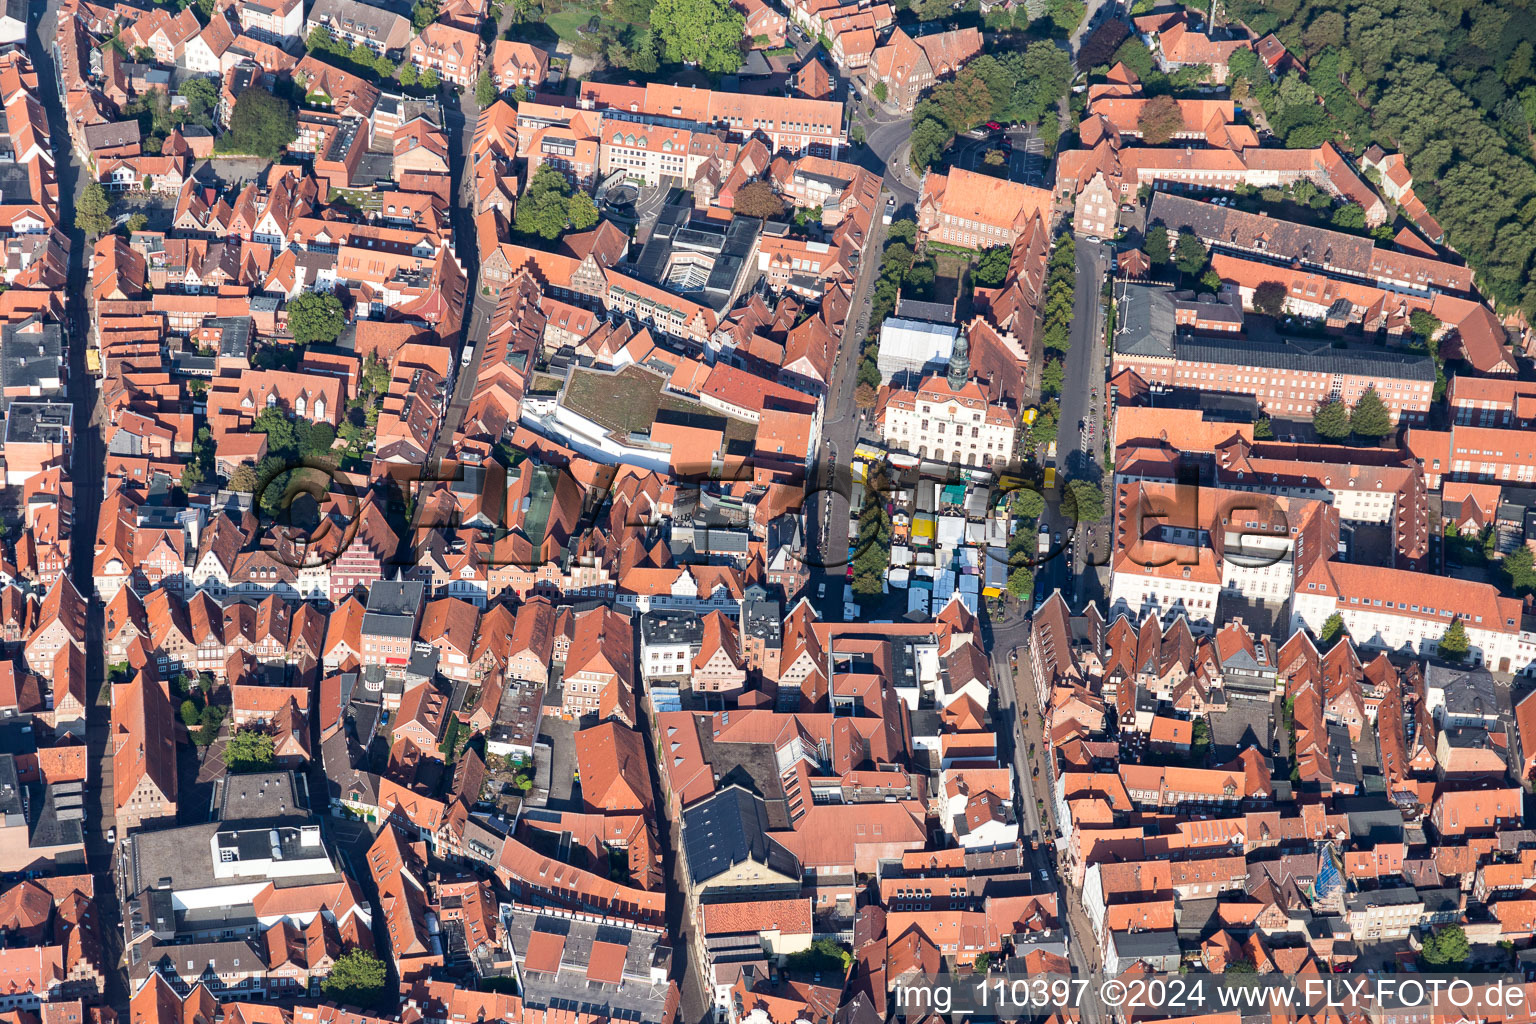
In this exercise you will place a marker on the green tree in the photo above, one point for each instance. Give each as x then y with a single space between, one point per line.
1454 644
202 99
1519 568
643 59
1269 298
1084 501
244 479
356 979
91 211
190 716
1190 254
1241 967
429 79
137 222
544 209
315 317
1447 947
1160 120
703 32
880 91
407 74
992 267
212 717
1424 323
825 955
1156 245
485 89
1350 217
1331 420
1326 29
423 13
261 124
869 375
1333 628
1370 417
1052 377
1026 503
1263 430
581 211
1133 53
1021 582
249 750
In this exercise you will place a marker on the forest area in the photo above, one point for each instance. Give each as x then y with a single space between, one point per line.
1451 85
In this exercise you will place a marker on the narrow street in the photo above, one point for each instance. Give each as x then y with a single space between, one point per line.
1020 726
1078 456
87 459
827 521
460 124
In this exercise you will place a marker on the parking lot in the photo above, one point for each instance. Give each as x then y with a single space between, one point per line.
1022 152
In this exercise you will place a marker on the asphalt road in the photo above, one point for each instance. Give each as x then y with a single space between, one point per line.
460 117
1079 456
827 519
87 460
887 143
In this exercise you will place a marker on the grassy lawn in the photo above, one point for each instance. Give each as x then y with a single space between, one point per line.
630 399
622 401
355 198
568 23
545 383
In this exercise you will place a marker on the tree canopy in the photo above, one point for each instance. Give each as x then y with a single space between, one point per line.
548 209
1085 501
1332 630
1269 298
315 318
1190 255
249 750
1450 87
91 214
1156 245
1017 86
485 89
1160 120
1454 643
202 99
1447 947
703 32
758 199
261 124
1370 418
991 268
356 979
1519 568
1331 421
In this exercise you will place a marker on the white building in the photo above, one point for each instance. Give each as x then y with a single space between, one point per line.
1389 609
669 641
915 347
947 419
1180 549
